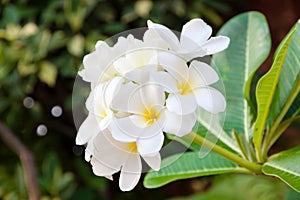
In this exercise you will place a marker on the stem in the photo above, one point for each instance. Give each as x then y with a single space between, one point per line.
271 137
254 167
27 160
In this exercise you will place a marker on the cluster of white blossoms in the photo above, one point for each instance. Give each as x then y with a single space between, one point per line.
143 88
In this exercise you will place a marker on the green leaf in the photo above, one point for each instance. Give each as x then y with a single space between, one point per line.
188 165
288 89
213 124
285 165
48 73
249 47
11 14
292 195
76 45
240 187
199 129
274 90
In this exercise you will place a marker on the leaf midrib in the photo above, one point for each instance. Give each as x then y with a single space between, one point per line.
282 169
246 108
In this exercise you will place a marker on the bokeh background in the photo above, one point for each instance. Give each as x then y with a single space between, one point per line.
42 44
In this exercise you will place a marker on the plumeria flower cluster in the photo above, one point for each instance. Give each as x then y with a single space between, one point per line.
143 88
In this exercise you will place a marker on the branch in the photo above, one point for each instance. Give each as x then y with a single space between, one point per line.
254 167
27 160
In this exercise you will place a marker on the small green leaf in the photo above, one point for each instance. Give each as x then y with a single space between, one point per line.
48 73
26 69
249 47
285 165
188 165
58 40
76 45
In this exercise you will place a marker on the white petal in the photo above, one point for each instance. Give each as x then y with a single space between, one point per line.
137 98
140 75
101 44
89 128
90 101
175 65
102 170
196 30
179 125
165 33
108 151
150 95
125 130
165 81
141 58
92 68
110 177
96 103
89 150
153 161
210 99
150 145
201 74
104 123
152 39
97 64
122 65
122 100
216 44
130 173
111 88
138 120
124 45
191 54
181 104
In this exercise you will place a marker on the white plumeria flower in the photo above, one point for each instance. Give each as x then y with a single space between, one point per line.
128 53
188 86
148 117
110 156
100 114
128 109
194 40
98 65
145 104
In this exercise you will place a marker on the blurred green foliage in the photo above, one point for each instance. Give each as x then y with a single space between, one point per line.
42 44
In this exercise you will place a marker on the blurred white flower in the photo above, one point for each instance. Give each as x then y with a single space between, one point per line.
111 156
188 86
195 40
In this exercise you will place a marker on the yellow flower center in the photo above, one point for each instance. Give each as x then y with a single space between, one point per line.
151 115
132 147
104 114
184 88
